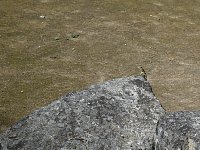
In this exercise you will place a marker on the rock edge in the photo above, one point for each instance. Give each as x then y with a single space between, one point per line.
118 114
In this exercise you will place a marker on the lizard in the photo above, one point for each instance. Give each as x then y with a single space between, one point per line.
143 72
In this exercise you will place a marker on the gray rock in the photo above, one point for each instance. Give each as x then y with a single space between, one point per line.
115 115
179 131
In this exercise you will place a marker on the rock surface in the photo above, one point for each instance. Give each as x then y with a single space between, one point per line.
118 114
179 131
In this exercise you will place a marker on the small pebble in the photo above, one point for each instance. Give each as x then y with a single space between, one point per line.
42 16
75 35
57 38
22 91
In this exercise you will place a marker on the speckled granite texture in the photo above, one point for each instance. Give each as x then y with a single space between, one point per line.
179 131
117 114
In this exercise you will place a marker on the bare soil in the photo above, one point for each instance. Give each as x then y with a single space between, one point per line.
52 47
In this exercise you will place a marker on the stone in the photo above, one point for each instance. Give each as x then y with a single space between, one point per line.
118 114
179 131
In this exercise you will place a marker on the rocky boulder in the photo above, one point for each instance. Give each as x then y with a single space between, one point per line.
117 114
179 131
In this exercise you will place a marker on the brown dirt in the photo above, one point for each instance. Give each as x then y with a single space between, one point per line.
51 47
